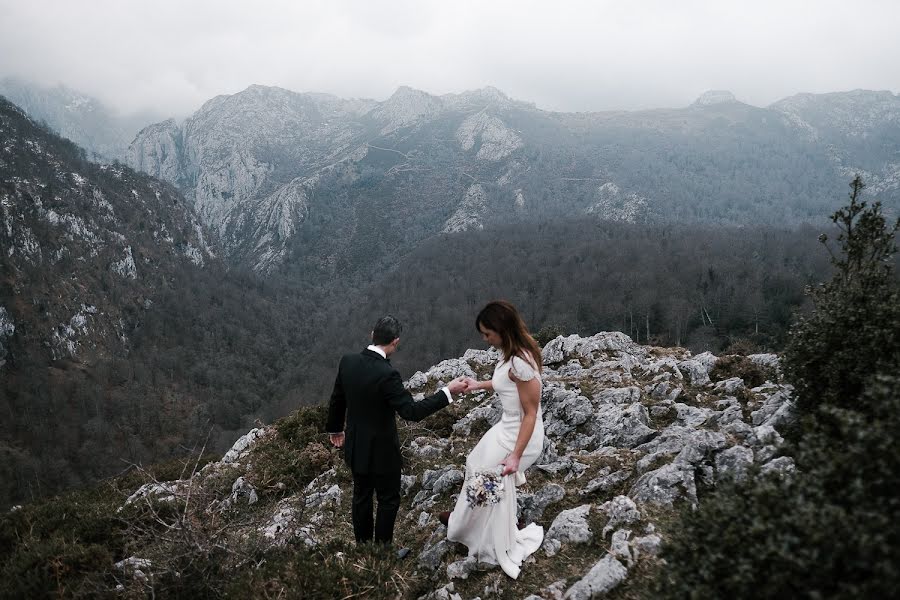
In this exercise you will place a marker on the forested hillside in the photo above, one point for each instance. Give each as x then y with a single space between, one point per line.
110 299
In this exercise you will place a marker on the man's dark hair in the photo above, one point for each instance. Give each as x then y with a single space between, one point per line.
386 330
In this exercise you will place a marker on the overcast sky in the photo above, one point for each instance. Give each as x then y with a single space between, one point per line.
171 56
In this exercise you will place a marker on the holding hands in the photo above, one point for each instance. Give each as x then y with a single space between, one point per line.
463 385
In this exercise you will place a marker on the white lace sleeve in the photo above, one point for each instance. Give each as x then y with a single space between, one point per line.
522 369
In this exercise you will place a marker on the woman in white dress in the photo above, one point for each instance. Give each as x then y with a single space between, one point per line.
515 442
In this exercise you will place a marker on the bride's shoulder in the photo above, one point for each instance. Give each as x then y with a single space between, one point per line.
522 369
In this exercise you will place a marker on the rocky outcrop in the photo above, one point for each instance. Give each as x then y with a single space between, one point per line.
618 454
470 211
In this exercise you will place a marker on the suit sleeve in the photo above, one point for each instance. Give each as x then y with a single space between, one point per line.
402 401
337 406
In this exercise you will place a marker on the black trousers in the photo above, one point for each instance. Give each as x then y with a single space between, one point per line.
387 487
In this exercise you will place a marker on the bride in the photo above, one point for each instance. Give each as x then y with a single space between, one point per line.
515 442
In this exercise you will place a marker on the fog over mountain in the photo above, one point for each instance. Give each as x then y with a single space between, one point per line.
579 55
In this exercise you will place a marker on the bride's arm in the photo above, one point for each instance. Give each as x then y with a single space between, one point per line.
530 396
480 385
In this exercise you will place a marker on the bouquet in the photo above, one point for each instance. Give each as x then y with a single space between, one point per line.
484 487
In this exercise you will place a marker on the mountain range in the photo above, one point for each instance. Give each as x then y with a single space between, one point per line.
309 179
319 185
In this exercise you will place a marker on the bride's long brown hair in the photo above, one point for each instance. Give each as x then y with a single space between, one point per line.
502 317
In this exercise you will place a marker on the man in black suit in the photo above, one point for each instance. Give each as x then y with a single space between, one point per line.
369 391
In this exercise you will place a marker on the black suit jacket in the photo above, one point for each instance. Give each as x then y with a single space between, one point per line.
369 391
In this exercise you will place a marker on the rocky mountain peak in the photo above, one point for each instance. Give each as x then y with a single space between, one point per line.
406 106
714 97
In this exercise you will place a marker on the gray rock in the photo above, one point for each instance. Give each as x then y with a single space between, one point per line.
433 555
531 508
730 385
730 415
783 465
669 442
446 592
418 380
621 510
482 357
450 480
734 462
243 444
766 360
573 368
647 545
766 435
766 453
606 482
626 395
571 526
564 410
619 546
776 410
424 517
623 426
555 590
406 483
700 446
242 490
666 484
450 369
428 448
696 372
551 546
430 477
330 496
691 416
660 390
603 577
574 346
489 412
740 430
660 410
461 569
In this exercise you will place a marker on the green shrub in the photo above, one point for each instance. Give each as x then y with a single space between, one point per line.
854 330
295 455
64 545
741 366
547 334
828 531
57 567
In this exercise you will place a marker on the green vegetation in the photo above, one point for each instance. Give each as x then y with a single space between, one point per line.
828 530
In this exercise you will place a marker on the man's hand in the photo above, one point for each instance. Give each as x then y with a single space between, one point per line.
471 384
337 439
457 386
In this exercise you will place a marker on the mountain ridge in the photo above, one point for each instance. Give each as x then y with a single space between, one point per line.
715 161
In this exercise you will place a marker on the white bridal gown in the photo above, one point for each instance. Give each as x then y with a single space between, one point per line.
490 531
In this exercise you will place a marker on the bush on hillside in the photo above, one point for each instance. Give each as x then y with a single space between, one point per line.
827 531
854 330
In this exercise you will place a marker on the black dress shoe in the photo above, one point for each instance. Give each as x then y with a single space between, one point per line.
402 552
444 518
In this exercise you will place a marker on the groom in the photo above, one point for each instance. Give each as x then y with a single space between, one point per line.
369 391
